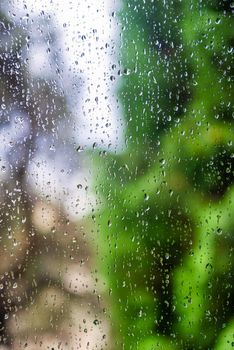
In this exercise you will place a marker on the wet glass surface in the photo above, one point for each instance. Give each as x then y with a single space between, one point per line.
116 175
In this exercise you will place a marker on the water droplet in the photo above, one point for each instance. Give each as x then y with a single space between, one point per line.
219 231
79 149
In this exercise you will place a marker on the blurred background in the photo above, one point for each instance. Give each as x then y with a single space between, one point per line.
117 175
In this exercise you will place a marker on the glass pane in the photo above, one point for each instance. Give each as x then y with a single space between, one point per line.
117 175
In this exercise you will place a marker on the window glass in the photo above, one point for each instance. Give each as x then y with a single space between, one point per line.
116 174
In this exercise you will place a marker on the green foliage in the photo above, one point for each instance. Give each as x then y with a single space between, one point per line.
166 225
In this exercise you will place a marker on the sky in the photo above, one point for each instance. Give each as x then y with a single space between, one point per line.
88 34
89 43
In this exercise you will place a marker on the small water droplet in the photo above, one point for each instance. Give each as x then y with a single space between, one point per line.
79 149
219 231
